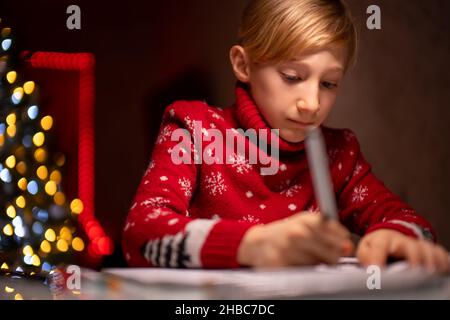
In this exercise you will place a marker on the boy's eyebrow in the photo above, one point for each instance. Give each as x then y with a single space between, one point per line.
300 63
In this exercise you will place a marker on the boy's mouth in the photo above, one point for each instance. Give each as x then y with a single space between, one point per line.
301 123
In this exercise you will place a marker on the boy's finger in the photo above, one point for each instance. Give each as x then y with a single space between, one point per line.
444 259
414 255
429 257
319 251
410 251
336 227
332 240
369 253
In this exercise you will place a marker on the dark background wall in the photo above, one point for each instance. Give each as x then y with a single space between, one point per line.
152 52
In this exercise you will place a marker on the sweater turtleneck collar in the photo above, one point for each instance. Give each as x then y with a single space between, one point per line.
249 117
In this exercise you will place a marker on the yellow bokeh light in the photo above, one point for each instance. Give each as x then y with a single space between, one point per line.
42 172
50 235
28 250
46 123
59 198
2 140
28 87
11 131
11 212
76 206
50 188
35 261
45 246
11 76
21 167
65 234
20 202
6 31
4 266
55 176
9 289
22 183
38 139
78 244
62 245
10 162
18 296
8 230
11 119
40 155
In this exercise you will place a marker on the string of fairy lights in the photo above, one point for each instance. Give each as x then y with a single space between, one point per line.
38 229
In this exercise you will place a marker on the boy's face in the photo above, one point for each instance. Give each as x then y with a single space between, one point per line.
295 94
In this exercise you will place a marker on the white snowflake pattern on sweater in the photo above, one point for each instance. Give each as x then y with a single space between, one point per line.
333 154
358 168
186 186
215 115
239 163
215 184
155 202
150 167
156 213
250 218
359 193
291 191
189 122
348 135
164 135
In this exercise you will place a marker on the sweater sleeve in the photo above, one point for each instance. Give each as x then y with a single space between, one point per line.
367 205
159 230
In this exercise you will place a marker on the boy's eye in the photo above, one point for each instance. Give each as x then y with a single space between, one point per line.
290 78
329 85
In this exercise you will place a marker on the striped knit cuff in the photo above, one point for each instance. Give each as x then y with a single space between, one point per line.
407 228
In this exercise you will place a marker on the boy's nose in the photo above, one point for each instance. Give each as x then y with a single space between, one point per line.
308 104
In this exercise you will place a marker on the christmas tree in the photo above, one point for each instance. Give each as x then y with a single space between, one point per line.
38 224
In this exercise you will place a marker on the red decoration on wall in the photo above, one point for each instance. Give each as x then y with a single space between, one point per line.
82 63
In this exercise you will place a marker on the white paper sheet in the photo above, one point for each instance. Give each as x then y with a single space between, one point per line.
347 276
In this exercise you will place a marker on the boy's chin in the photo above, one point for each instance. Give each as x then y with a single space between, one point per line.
292 137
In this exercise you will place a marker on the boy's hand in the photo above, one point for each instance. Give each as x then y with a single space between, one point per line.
302 239
377 246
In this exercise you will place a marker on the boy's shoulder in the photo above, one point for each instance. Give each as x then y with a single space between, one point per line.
340 137
190 110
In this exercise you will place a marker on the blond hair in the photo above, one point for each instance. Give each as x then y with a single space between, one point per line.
278 30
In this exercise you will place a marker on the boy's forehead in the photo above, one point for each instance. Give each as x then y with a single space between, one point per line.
337 53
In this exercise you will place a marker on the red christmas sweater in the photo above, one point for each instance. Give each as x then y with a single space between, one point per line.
195 214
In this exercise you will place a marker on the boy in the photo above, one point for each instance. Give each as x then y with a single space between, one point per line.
290 59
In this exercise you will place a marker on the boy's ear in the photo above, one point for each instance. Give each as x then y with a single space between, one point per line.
240 63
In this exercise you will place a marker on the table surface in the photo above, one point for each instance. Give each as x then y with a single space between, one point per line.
106 285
